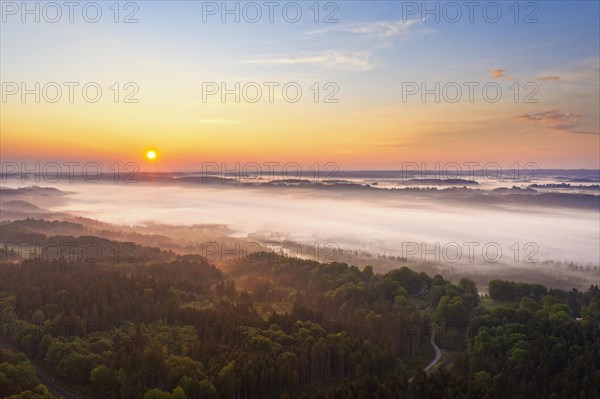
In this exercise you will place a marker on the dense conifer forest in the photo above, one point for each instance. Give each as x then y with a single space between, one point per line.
164 325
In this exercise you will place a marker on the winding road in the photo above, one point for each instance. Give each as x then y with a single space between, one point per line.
438 353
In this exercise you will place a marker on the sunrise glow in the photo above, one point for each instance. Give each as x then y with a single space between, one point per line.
151 155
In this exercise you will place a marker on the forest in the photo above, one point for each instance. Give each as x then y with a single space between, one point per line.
165 325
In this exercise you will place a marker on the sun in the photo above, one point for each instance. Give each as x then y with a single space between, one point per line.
151 155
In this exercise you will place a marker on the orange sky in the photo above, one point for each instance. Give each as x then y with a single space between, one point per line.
369 54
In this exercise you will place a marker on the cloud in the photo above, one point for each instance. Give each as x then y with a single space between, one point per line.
498 73
556 120
358 61
586 72
548 77
376 29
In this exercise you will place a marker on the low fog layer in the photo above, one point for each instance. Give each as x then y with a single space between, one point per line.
390 225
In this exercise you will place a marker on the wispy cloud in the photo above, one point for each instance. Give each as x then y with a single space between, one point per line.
357 61
499 73
556 120
585 72
548 78
376 29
